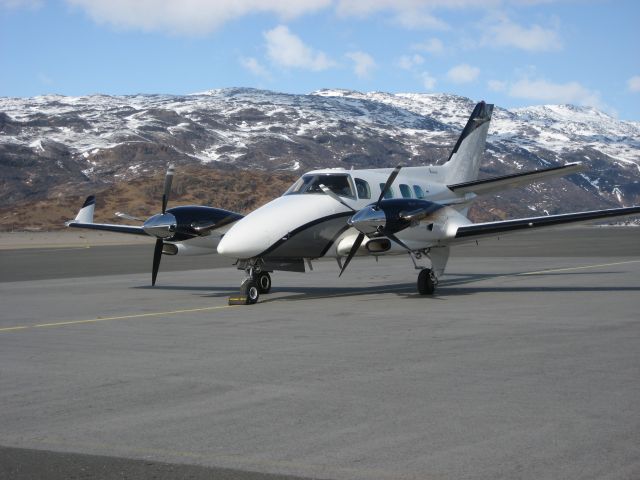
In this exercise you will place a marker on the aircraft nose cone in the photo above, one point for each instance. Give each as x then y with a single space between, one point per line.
162 225
238 243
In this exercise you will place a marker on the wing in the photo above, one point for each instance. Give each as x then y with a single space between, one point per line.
494 184
108 227
510 226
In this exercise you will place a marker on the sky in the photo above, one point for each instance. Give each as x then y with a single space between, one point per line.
513 53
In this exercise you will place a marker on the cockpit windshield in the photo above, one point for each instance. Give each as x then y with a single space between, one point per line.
339 184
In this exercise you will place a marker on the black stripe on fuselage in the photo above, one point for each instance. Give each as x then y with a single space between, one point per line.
319 252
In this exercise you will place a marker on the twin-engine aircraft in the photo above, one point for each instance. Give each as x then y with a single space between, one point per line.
419 211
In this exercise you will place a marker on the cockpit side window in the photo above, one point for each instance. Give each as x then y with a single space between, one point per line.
362 187
389 193
337 183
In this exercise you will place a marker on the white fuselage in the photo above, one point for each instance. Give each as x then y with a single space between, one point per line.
311 224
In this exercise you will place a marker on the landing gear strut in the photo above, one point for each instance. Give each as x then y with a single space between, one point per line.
255 283
427 282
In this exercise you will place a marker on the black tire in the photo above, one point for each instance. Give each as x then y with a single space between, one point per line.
250 290
426 285
264 282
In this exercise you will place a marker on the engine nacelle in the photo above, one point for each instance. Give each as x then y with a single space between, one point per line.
184 249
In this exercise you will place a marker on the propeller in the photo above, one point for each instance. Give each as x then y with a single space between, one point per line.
372 220
126 216
387 185
352 252
160 226
157 256
333 195
168 179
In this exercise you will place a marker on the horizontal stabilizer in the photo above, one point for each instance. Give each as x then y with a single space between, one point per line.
494 184
506 226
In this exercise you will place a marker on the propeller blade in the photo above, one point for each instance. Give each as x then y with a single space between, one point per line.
391 236
157 256
352 252
126 216
328 191
167 187
387 185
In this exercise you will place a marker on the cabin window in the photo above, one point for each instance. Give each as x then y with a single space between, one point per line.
362 187
417 189
389 193
405 190
338 183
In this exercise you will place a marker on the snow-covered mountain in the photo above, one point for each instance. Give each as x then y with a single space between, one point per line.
55 145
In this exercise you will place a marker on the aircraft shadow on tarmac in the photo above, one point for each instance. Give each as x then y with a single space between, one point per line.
457 284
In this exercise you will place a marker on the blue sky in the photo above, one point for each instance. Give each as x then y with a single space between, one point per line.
509 52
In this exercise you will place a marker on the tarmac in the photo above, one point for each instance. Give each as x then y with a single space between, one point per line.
525 364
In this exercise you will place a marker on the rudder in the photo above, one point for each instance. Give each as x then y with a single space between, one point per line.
463 164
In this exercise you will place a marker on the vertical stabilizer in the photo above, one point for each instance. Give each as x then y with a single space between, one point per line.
463 164
85 215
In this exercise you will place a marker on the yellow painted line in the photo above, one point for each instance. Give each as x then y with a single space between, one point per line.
105 319
70 246
585 267
8 329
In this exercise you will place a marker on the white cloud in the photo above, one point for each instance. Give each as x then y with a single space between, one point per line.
363 63
45 79
187 17
463 73
502 32
416 20
549 92
433 46
408 62
633 84
428 82
288 50
199 17
15 4
255 67
366 7
497 85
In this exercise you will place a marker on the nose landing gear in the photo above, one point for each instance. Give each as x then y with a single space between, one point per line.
256 282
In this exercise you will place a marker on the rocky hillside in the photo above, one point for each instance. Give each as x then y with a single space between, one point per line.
56 149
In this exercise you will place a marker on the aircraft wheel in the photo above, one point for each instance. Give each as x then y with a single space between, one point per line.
250 290
264 282
426 283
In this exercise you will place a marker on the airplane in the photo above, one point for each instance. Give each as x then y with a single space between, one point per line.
337 213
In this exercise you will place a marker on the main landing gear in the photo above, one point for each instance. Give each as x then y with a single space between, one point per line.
427 282
256 283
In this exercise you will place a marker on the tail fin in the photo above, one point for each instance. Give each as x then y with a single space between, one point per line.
463 164
85 215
